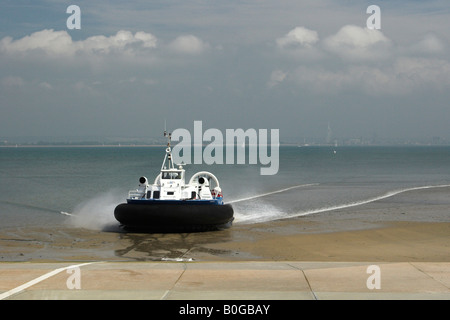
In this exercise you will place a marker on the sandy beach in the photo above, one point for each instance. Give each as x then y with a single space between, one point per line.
397 229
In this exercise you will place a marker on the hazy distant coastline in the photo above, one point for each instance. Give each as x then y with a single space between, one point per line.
156 142
98 145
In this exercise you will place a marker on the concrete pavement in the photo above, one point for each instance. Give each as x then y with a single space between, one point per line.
225 280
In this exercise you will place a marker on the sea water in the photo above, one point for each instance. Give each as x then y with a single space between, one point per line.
81 186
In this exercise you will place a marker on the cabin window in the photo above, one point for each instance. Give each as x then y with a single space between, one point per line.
148 194
155 194
171 175
170 193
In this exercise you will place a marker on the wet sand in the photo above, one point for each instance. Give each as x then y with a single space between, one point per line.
413 227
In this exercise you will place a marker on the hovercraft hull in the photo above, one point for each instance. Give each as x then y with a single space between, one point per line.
179 217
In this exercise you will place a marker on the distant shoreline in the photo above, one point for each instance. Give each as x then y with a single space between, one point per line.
163 145
80 145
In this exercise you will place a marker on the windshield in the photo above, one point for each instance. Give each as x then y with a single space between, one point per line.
171 175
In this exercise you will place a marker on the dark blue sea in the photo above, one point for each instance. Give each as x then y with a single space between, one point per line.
80 186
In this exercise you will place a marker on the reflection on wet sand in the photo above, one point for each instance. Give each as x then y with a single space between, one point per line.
171 246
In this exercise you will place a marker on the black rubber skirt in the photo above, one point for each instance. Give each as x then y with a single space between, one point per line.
174 217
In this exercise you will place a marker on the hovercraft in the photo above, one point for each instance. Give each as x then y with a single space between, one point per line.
172 205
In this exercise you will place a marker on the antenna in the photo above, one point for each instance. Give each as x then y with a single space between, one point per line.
168 155
167 134
165 131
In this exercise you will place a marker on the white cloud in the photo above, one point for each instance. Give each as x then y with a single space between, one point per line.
417 72
188 44
298 37
361 60
148 40
48 41
276 77
121 42
353 42
403 76
60 43
429 44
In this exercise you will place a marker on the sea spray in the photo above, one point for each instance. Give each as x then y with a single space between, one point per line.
250 210
97 213
256 212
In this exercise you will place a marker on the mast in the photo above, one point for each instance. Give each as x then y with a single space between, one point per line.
168 155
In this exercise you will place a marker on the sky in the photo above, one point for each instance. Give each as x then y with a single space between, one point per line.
296 66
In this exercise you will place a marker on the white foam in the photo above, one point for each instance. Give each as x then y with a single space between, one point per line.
259 212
